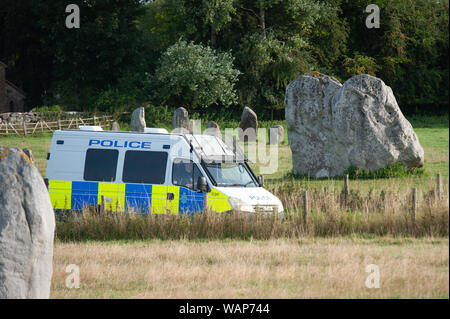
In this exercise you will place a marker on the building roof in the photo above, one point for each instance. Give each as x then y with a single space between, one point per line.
21 92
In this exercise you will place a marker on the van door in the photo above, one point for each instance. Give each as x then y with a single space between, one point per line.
144 175
186 199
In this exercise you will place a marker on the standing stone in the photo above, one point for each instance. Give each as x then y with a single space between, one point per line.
212 128
114 127
332 127
276 134
29 153
138 120
195 126
180 121
27 226
248 127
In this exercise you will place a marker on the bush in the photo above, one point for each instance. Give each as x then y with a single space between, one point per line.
396 169
114 102
192 76
48 109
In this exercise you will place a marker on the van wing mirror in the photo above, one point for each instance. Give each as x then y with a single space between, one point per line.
202 185
261 180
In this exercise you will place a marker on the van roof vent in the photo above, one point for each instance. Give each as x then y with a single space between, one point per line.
155 130
90 128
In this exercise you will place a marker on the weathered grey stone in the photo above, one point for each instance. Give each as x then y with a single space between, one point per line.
29 153
212 128
114 127
333 126
248 127
195 126
276 134
27 226
180 121
138 120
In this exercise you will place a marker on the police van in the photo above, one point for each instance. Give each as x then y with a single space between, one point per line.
152 172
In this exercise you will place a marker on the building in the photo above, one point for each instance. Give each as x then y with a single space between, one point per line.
12 99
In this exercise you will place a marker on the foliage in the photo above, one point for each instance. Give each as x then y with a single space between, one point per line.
114 102
192 75
360 64
270 64
48 109
122 44
396 169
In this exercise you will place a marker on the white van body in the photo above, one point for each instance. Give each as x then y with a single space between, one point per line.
145 172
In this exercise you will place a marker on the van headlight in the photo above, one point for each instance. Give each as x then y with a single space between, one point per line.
239 205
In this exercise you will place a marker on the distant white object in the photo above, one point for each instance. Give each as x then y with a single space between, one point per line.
90 128
155 130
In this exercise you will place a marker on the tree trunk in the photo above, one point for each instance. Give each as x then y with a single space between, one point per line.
213 33
262 19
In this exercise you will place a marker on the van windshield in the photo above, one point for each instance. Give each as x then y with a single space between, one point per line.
231 174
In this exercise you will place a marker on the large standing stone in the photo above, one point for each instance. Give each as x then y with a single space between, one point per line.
212 128
138 120
180 121
276 134
27 226
248 127
333 126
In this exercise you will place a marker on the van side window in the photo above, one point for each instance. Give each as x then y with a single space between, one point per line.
100 165
144 167
185 173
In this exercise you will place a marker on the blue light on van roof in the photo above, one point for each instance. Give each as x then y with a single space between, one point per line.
59 142
166 147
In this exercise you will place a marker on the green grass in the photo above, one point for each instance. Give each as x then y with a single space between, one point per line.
39 144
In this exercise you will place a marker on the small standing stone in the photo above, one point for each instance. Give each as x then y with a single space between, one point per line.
115 127
212 128
276 134
180 120
248 127
138 120
195 126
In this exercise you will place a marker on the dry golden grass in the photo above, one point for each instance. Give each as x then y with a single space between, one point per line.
375 213
303 268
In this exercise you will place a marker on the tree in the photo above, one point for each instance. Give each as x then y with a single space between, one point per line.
410 49
274 49
49 60
193 76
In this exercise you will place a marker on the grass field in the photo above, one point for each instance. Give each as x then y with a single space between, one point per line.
306 268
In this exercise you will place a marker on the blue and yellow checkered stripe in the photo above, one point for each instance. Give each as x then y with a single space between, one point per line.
138 197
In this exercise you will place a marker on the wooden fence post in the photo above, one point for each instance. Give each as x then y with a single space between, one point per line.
346 188
59 124
439 186
103 205
305 206
24 125
414 203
